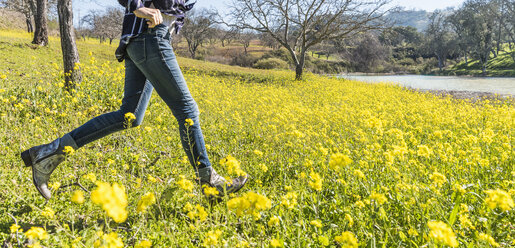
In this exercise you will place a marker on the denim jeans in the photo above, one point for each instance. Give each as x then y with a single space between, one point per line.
150 63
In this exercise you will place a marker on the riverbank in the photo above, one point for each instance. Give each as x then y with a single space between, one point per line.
473 96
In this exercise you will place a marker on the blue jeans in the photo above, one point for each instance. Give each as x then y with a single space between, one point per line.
151 63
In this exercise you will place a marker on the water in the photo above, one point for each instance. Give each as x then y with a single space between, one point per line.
504 86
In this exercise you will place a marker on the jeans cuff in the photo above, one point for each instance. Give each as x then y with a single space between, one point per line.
67 140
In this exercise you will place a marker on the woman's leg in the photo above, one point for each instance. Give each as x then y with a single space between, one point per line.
137 93
155 58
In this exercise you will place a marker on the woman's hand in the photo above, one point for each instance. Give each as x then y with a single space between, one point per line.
153 16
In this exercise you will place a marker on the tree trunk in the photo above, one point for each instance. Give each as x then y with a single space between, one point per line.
72 73
30 29
40 21
299 68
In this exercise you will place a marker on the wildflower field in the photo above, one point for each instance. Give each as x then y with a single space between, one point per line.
332 163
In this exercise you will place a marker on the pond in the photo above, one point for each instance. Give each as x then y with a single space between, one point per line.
498 85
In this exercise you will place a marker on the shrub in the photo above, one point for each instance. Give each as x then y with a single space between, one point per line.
244 60
271 63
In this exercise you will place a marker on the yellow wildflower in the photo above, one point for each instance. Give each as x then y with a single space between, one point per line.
36 233
379 198
109 241
438 178
316 181
250 203
316 223
48 212
442 234
129 117
189 122
349 219
499 198
289 200
359 174
423 151
195 212
113 200
210 191
276 243
146 200
78 197
338 160
489 239
274 221
144 244
212 238
14 228
347 240
68 150
232 165
91 177
185 184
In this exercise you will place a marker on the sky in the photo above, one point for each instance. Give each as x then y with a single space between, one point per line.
82 7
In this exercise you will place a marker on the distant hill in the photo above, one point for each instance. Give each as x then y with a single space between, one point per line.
11 20
418 19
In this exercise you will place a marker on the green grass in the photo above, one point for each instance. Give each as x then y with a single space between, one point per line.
330 159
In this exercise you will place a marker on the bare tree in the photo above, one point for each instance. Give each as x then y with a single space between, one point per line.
40 21
105 25
198 29
26 7
245 38
227 36
300 24
269 41
72 73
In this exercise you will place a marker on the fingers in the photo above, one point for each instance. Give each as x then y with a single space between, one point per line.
156 18
153 16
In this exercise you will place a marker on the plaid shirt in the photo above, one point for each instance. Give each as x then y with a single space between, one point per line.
132 25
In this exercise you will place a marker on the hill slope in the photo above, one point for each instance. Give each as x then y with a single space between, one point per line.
332 163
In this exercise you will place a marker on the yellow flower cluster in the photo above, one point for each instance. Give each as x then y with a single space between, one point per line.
338 160
499 198
185 184
36 233
316 181
144 244
438 178
379 198
347 240
110 240
78 197
250 203
146 200
212 238
289 200
196 212
232 165
113 200
442 234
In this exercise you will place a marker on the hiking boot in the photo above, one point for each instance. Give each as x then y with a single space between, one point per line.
44 159
209 178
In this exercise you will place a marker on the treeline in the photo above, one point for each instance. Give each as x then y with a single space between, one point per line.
478 31
361 37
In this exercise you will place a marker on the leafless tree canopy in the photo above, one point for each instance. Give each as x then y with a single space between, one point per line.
107 24
198 28
300 24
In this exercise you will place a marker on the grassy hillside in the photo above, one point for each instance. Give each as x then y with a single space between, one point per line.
502 65
333 163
